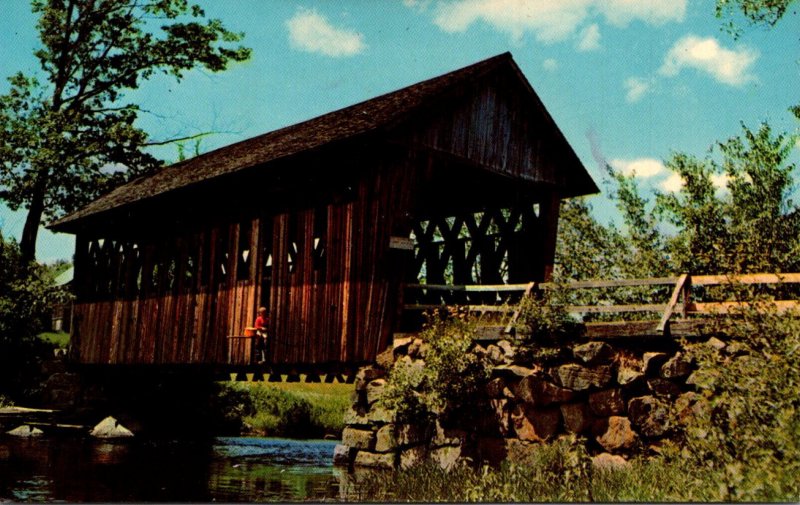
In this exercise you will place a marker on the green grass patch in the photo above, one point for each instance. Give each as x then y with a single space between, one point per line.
58 338
295 410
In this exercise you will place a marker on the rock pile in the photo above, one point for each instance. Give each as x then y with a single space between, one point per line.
619 397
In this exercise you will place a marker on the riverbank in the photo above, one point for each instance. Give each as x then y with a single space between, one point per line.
294 410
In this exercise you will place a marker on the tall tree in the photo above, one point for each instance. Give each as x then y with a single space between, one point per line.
68 135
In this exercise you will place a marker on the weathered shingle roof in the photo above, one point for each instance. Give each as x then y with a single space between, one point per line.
335 126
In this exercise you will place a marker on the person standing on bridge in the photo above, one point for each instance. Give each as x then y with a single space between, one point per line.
262 320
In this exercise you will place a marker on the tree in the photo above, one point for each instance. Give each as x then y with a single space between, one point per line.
756 12
68 137
26 296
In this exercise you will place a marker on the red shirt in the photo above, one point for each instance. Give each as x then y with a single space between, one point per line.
261 322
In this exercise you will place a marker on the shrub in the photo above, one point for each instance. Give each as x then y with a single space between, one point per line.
451 375
750 432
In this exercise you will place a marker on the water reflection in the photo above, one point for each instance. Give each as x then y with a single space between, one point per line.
228 469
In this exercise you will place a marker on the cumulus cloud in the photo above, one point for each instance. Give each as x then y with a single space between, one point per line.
639 167
552 21
720 181
589 38
311 32
727 66
636 88
672 183
550 65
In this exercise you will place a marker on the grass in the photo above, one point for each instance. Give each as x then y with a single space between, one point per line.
544 481
58 338
296 410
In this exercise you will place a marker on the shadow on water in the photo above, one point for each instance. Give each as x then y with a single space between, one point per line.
225 469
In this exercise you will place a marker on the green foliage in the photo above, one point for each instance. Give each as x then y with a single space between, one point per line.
750 433
755 12
75 112
26 296
585 249
272 411
752 227
450 377
58 339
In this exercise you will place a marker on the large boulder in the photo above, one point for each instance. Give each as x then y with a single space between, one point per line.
677 366
535 424
577 417
593 352
385 439
341 455
110 428
650 416
366 375
606 461
358 439
606 403
539 392
614 433
413 456
652 361
375 390
581 378
368 459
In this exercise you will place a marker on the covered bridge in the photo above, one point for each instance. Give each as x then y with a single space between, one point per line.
456 179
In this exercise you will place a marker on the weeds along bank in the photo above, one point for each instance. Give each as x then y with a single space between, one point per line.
294 410
721 412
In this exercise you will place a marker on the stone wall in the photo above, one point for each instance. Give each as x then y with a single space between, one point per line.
623 396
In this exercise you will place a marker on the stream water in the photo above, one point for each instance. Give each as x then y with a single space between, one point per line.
228 469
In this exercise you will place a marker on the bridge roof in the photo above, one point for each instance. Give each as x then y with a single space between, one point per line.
376 114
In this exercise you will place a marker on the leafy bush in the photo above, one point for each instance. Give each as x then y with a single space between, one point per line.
25 299
450 377
750 432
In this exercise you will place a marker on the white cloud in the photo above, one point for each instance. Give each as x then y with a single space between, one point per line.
672 183
636 88
550 65
639 167
589 38
720 181
654 12
728 66
549 20
311 32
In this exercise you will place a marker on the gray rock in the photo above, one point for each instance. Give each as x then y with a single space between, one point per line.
358 439
606 461
413 456
593 352
385 439
375 390
663 387
539 392
25 431
577 417
341 455
649 415
581 378
495 355
368 459
366 375
677 366
110 428
627 376
446 457
607 403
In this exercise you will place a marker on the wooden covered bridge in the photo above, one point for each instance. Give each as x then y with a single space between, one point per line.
454 180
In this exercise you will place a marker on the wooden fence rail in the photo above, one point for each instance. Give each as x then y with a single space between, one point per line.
680 302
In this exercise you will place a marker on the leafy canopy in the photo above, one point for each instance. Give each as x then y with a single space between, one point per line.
67 134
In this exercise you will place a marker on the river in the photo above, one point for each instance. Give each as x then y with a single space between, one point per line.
227 469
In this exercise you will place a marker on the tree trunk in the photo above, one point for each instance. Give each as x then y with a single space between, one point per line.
30 232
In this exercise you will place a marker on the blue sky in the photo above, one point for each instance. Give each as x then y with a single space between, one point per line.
628 81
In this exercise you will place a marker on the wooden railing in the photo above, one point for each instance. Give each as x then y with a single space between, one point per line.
680 302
